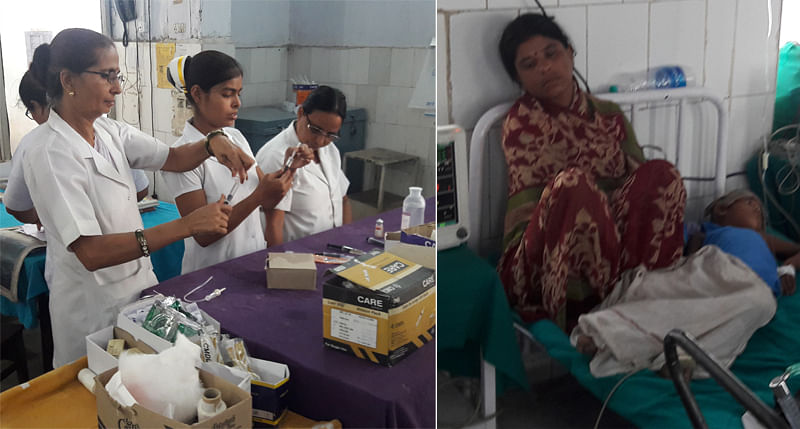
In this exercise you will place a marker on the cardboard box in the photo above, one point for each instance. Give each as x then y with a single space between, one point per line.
111 414
291 271
379 307
134 326
99 359
415 244
270 394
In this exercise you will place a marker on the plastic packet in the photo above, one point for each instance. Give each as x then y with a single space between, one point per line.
209 346
235 354
160 320
165 321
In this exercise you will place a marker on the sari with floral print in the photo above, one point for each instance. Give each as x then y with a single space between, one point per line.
583 205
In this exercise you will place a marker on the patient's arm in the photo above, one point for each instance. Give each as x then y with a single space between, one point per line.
783 249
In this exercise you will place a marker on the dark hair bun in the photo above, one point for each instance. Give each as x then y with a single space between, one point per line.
40 63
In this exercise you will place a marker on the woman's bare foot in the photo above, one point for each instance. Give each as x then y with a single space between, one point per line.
586 345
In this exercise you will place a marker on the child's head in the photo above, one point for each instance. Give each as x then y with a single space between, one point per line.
739 208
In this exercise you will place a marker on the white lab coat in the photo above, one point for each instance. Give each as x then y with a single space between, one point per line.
314 203
215 179
77 193
17 197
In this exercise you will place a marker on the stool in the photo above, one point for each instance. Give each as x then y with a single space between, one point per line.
13 348
382 158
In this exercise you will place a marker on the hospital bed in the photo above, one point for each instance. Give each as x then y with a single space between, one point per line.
687 126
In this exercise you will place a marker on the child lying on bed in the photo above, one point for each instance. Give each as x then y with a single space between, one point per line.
720 295
737 227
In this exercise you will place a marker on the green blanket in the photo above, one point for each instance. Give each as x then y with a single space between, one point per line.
650 401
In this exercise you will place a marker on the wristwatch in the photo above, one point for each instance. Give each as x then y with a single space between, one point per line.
210 136
142 242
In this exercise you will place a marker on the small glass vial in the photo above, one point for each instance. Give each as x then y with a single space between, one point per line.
210 404
379 229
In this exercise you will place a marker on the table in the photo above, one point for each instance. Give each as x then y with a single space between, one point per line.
286 326
475 325
32 303
382 158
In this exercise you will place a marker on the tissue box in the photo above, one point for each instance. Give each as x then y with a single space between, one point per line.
270 394
379 307
291 271
134 327
99 359
415 244
111 414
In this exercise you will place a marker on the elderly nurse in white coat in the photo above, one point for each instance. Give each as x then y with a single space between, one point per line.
212 82
79 177
33 95
317 200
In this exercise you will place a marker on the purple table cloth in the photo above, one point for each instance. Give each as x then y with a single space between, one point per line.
286 326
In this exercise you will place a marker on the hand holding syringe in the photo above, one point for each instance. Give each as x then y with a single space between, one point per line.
298 156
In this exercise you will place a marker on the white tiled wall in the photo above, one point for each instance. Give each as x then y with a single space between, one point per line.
728 45
381 81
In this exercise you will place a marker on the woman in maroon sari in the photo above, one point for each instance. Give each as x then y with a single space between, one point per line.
583 205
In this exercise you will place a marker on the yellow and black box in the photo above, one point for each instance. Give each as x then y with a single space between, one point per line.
379 307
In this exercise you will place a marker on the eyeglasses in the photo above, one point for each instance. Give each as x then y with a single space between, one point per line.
28 114
320 132
111 77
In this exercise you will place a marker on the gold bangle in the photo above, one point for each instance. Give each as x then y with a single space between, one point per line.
210 136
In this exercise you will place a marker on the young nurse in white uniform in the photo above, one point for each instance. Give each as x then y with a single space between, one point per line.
33 94
78 173
212 82
317 200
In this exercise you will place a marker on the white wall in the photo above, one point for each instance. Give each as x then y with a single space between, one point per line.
18 17
730 45
790 31
373 23
381 81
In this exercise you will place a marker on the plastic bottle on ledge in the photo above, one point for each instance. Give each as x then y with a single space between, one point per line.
413 208
655 78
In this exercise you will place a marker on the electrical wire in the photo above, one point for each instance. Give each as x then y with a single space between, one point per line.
791 171
152 83
610 394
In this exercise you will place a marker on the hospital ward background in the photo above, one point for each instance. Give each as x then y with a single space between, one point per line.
495 369
381 56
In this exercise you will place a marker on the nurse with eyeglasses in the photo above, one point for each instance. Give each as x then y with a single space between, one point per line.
317 200
33 94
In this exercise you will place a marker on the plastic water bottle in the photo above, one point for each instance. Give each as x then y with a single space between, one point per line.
655 78
413 208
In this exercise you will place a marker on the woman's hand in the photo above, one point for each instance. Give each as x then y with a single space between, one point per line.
273 187
231 156
211 218
303 157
